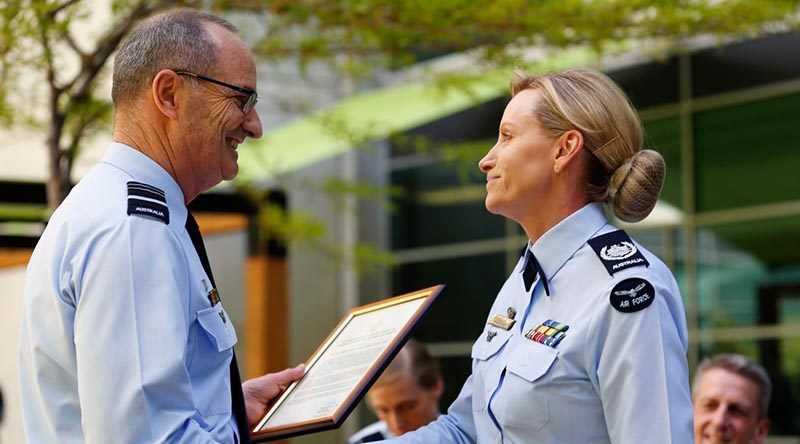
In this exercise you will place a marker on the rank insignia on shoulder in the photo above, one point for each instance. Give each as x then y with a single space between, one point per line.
148 201
632 294
549 333
617 251
501 321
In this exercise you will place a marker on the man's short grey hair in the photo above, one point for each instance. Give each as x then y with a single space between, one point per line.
175 39
741 366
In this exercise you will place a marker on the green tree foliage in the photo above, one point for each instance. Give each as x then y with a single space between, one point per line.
408 29
37 36
38 40
42 62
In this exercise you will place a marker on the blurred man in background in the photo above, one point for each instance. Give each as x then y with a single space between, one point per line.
405 397
731 396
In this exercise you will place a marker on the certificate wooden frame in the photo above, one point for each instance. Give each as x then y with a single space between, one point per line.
383 328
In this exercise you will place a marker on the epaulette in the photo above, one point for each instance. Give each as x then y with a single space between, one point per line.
147 201
617 251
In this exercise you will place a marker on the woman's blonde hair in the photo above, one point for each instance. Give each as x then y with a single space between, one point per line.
619 172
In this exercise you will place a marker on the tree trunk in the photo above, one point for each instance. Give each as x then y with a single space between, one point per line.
58 179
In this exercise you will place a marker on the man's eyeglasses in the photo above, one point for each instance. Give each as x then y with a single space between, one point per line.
252 96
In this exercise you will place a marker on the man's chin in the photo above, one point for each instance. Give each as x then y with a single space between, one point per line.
230 173
714 440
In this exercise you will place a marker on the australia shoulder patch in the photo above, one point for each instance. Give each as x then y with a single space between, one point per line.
617 251
147 201
632 294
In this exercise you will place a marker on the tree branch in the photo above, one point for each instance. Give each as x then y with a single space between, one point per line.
67 36
54 12
95 61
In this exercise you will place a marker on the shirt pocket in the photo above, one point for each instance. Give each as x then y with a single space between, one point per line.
210 366
483 353
218 328
524 401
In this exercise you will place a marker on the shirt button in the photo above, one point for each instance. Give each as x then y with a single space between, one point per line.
524 362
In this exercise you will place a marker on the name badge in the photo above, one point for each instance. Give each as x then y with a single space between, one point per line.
501 321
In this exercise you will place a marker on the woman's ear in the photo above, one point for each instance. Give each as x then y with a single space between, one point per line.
165 89
568 146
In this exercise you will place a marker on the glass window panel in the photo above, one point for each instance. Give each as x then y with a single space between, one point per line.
455 371
667 245
416 225
438 175
472 284
781 358
746 272
664 136
443 203
747 154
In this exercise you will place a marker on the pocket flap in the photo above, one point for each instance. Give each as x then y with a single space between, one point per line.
484 349
533 362
218 327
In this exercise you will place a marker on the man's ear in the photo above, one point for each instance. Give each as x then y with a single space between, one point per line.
762 429
437 389
166 87
567 148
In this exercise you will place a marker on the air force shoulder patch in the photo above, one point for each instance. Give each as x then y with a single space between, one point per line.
617 251
148 201
632 295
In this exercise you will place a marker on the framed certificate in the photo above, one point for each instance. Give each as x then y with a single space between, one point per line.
345 366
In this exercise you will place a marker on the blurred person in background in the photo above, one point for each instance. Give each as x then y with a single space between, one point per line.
405 397
731 397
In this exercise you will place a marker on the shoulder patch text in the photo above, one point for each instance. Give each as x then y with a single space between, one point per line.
617 251
147 201
632 294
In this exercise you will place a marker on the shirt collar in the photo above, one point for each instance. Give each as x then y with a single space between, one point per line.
144 169
558 244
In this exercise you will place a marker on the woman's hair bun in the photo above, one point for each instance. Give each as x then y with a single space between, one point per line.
636 184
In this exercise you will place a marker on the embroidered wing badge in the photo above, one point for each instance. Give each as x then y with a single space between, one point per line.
632 295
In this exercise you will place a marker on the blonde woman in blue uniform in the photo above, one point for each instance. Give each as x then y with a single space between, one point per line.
586 341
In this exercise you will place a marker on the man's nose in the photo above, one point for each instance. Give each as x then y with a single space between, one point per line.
395 421
252 124
720 417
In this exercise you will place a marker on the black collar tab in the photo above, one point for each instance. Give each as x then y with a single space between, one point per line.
532 268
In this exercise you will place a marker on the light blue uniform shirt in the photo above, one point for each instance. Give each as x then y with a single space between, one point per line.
119 341
615 377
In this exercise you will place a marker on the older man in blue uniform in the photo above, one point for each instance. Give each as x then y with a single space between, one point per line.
124 338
